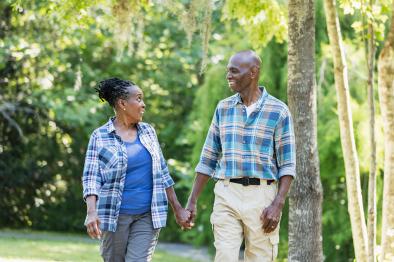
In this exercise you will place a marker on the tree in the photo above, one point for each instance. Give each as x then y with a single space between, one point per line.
352 169
386 97
305 230
371 223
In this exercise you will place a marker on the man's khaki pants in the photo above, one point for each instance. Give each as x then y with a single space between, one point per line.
236 216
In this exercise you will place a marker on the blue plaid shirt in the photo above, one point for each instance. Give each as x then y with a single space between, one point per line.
261 145
105 171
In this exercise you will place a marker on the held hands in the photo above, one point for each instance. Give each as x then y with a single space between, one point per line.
92 224
182 216
185 217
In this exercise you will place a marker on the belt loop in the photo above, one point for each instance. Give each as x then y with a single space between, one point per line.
270 182
226 182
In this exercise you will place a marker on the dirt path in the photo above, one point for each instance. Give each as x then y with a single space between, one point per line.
198 254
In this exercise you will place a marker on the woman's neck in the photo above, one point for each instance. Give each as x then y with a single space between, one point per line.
123 123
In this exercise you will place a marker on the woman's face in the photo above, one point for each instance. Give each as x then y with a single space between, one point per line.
134 106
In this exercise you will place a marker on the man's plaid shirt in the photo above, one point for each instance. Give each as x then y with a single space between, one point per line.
261 145
105 171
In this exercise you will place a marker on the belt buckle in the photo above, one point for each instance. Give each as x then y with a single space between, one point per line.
245 181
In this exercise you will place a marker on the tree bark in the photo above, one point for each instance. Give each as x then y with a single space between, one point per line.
386 97
352 169
371 223
305 230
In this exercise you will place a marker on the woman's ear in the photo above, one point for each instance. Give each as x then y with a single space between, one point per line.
121 104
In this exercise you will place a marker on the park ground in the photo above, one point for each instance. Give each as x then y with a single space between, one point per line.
33 246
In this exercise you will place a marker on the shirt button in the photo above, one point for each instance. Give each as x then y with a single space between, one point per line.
243 141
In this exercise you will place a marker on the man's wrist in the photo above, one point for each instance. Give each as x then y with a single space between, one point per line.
192 201
280 200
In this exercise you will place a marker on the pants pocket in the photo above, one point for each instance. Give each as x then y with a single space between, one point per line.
105 245
274 240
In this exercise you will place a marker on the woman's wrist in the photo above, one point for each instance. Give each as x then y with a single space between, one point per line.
91 212
176 206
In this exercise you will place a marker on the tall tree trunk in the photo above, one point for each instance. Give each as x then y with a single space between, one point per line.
352 169
386 97
305 231
371 224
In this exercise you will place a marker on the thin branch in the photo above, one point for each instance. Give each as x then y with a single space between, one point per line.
12 122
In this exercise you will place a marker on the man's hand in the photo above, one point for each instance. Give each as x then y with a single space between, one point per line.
192 207
198 185
271 215
182 217
270 218
92 224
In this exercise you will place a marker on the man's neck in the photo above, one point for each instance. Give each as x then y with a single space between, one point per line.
251 95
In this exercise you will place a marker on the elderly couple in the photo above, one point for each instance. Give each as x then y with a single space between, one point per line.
249 151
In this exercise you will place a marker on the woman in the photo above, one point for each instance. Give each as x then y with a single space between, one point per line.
126 181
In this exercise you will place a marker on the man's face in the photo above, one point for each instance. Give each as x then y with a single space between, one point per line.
239 74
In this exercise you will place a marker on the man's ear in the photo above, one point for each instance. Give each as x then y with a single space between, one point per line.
254 72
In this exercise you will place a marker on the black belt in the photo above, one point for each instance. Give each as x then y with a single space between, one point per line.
246 181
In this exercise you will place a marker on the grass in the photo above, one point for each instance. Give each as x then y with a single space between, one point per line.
44 246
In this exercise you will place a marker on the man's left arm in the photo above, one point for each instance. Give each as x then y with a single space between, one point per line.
271 215
286 159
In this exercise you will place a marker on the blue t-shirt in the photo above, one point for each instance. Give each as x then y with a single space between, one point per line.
138 186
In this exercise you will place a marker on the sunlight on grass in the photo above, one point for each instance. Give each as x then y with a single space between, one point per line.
36 246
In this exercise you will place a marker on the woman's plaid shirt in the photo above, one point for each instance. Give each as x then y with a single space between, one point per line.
261 145
105 171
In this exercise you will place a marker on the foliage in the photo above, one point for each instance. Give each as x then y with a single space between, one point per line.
54 52
193 17
48 77
337 238
262 20
375 13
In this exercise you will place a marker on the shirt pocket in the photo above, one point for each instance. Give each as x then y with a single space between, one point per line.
108 160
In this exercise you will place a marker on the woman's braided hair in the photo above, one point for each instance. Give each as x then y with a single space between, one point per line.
112 89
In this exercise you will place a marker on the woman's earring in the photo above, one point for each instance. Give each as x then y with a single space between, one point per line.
124 108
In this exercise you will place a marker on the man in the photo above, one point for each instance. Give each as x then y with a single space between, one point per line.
249 150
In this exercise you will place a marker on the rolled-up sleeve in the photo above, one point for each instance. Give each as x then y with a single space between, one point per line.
91 178
285 146
167 179
212 148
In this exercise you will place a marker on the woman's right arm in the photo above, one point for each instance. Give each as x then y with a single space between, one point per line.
91 182
92 221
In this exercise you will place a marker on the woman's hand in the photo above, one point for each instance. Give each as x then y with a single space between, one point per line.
182 215
92 224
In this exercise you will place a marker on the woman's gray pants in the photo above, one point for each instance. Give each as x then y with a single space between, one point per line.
135 239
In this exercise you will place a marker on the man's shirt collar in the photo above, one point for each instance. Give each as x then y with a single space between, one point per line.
260 101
